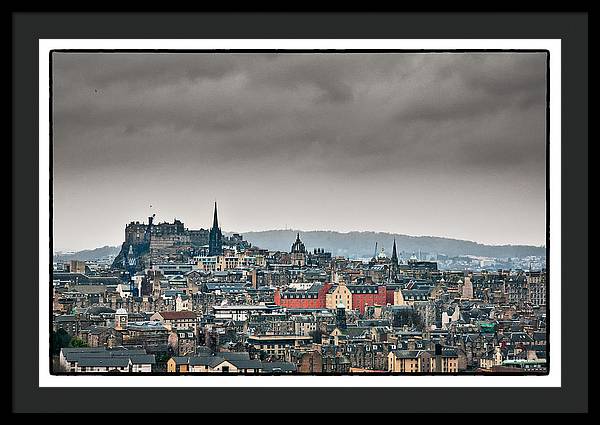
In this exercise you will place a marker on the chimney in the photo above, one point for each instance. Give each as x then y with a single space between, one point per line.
254 280
438 358
277 297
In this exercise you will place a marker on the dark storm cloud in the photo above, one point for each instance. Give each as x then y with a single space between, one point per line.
306 115
346 105
473 85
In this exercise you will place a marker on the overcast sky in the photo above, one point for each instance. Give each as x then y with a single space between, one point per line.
446 145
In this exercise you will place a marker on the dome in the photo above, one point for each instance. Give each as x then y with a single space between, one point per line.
298 246
121 311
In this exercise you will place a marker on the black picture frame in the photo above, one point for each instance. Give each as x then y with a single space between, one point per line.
28 28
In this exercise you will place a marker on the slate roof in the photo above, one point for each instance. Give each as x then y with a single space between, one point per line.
315 287
143 359
374 322
229 356
246 364
99 309
104 362
181 360
412 354
270 367
449 352
82 279
407 354
84 353
201 360
177 315
66 318
356 332
520 337
360 289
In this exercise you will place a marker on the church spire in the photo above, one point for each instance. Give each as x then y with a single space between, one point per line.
215 219
215 237
395 265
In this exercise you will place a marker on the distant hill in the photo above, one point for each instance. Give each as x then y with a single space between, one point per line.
88 254
362 244
352 244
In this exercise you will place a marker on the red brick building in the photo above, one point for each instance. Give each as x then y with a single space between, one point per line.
390 289
364 295
313 297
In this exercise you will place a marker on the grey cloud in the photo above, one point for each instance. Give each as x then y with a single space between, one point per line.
308 118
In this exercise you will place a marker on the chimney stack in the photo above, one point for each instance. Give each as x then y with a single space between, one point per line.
438 357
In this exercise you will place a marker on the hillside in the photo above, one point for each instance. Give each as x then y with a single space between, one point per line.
352 244
88 254
362 244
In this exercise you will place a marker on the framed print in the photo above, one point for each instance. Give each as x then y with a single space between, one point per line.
313 218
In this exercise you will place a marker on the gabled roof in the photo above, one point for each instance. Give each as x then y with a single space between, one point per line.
246 364
181 360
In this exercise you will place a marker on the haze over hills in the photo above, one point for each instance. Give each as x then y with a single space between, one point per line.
353 245
362 244
87 254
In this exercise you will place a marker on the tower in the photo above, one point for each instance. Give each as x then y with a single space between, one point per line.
215 237
298 252
121 319
394 265
130 264
340 316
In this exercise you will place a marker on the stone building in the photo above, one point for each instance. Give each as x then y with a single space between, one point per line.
298 253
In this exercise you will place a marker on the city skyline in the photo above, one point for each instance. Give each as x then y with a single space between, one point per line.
448 145
301 231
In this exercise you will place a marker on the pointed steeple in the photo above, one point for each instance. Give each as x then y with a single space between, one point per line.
215 237
395 264
215 218
394 253
298 246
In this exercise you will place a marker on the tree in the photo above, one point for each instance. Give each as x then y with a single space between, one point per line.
60 339
77 342
317 336
162 358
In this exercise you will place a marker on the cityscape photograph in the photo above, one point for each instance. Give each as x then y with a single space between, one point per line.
299 213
